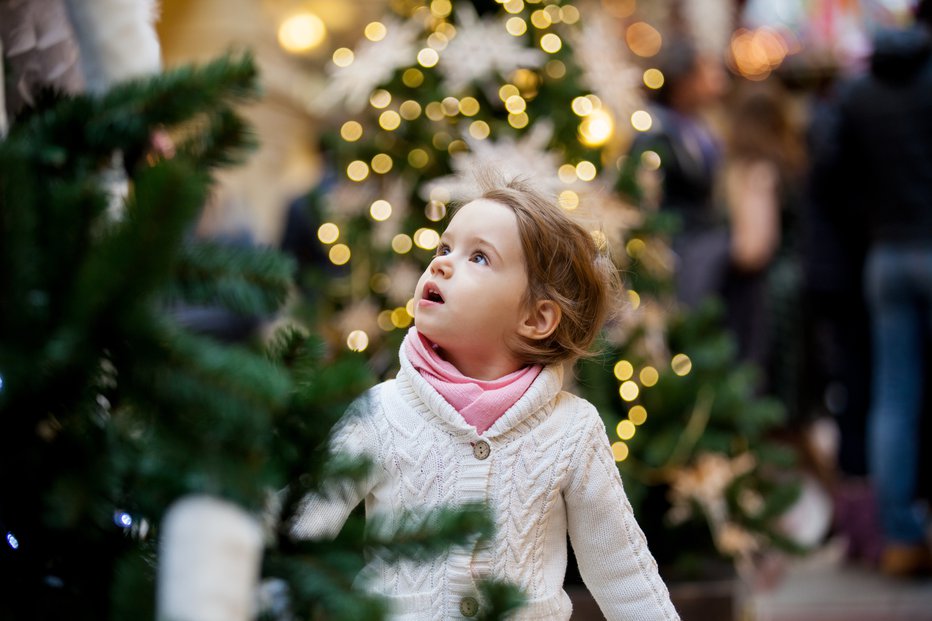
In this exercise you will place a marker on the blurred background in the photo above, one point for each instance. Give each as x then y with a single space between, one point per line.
761 172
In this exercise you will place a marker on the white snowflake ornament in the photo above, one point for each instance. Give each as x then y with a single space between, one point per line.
480 49
373 64
526 157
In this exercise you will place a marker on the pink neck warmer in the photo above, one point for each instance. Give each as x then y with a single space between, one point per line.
479 402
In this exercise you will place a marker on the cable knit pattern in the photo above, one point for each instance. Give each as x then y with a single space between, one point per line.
548 470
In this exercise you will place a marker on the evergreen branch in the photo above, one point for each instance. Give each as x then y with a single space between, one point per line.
223 139
170 193
246 280
499 600
420 537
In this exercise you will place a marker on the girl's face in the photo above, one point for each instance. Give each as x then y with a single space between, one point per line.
470 299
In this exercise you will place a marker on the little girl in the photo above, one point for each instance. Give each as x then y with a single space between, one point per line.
477 414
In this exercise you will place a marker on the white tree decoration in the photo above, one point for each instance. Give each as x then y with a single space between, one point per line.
481 48
525 157
373 64
606 64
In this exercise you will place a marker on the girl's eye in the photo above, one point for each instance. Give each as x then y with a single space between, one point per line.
479 258
442 250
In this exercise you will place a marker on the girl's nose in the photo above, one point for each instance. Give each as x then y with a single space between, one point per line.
441 265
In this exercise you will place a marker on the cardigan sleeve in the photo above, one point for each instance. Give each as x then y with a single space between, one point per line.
610 547
323 513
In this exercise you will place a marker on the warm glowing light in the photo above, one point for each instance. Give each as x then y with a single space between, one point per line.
513 6
554 12
635 247
357 340
428 57
585 170
649 376
516 26
328 232
440 8
412 77
540 19
506 91
643 39
380 98
451 106
681 364
385 321
619 451
375 31
435 211
382 163
555 69
756 53
567 173
351 131
457 146
634 298
441 140
515 104
389 120
409 110
601 241
653 78
623 370
479 130
596 128
625 429
569 14
527 82
357 170
469 106
641 121
409 307
418 158
568 200
551 43
629 390
380 210
637 414
434 111
339 254
402 243
343 57
437 41
650 160
301 33
426 238
581 106
518 121
401 318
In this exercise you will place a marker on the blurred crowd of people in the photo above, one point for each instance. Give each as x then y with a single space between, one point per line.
808 213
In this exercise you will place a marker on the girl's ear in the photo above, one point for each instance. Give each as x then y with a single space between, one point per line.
541 320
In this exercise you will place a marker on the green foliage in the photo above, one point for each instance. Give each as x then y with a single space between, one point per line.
113 409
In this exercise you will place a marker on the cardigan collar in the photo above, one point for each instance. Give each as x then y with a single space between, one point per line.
542 391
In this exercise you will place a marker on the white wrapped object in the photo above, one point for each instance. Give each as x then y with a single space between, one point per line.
210 553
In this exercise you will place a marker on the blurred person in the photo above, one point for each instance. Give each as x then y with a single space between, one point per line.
837 357
689 157
762 172
882 164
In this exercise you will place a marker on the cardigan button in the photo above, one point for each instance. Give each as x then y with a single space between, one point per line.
481 449
469 606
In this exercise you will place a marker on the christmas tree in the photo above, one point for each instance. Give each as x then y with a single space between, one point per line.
134 441
552 92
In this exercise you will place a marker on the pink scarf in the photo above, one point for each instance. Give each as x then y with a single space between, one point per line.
479 402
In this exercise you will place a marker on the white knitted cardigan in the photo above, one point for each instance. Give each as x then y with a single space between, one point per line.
544 468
